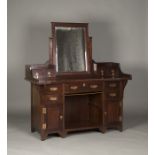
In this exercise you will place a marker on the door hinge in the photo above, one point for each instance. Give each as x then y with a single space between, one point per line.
44 126
44 110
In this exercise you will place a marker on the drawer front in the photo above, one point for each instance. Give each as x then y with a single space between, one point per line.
52 89
95 86
80 87
112 85
74 87
113 95
53 99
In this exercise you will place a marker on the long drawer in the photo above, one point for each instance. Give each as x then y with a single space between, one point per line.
83 86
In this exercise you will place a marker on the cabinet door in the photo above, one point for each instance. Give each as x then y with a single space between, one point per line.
54 118
113 112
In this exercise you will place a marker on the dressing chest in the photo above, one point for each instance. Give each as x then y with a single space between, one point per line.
72 92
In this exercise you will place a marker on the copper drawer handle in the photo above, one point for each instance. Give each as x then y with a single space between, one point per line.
112 94
49 74
73 87
36 76
112 85
61 117
83 84
53 89
113 72
53 98
93 86
44 111
102 72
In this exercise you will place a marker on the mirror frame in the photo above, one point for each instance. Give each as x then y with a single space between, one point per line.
52 53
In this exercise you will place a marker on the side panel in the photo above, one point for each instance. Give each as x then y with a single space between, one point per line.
35 108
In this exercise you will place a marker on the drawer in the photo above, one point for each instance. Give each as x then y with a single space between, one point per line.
86 86
113 95
95 86
50 89
75 87
112 85
53 99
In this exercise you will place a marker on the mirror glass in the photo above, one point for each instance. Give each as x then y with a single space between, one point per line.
71 55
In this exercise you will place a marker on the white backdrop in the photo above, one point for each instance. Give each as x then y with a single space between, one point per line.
118 28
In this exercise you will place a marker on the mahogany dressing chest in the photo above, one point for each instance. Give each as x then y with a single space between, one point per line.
71 92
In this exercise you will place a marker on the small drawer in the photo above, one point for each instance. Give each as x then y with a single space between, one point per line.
113 95
112 85
53 89
53 99
95 86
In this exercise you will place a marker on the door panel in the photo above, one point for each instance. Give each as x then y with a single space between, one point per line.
54 116
113 111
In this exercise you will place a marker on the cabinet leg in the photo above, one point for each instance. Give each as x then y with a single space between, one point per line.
32 129
43 135
102 129
32 126
120 128
63 134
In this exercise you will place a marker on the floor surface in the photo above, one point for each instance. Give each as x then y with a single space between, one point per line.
132 141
